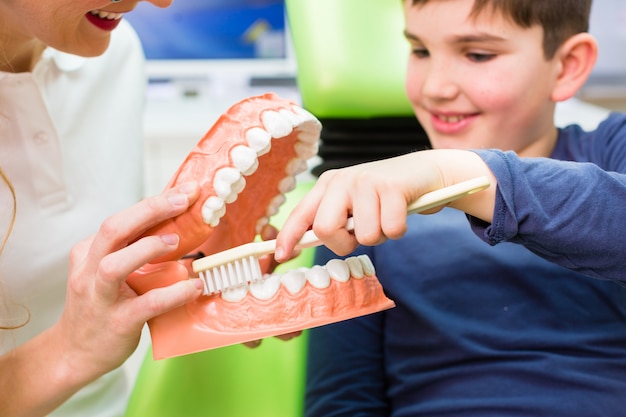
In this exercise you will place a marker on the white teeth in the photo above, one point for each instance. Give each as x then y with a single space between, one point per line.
236 279
275 204
225 179
356 268
261 223
292 117
244 159
305 150
368 266
287 184
212 210
106 15
230 181
259 140
293 280
238 186
338 270
318 277
295 167
235 294
265 288
451 119
276 125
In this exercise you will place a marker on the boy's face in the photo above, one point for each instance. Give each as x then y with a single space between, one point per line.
479 83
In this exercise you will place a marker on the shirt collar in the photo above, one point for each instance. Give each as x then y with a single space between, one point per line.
63 61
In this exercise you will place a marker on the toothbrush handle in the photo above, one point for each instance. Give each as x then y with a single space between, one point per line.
425 202
310 239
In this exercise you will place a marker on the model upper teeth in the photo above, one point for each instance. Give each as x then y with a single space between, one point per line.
229 181
106 15
238 279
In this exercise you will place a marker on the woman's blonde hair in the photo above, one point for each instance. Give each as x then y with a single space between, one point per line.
23 322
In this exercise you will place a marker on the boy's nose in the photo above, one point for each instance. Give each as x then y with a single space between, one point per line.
439 80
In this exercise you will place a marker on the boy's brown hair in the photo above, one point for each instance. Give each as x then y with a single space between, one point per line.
560 19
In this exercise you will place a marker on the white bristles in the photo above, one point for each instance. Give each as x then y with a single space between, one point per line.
230 275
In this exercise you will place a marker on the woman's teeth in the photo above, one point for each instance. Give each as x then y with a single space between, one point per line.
106 15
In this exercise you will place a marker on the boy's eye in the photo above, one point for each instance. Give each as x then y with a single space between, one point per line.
420 52
480 57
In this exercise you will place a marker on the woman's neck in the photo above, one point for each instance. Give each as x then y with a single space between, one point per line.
20 57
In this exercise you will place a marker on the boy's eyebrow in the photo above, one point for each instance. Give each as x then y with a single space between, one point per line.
410 36
483 37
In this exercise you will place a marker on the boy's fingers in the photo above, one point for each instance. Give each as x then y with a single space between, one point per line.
297 223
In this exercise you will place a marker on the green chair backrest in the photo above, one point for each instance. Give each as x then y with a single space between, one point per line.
351 57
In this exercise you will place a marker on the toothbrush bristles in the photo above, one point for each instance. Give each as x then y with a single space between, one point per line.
233 274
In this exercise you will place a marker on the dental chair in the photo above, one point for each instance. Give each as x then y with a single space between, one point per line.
351 57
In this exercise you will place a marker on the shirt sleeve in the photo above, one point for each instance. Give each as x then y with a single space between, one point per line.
567 212
345 365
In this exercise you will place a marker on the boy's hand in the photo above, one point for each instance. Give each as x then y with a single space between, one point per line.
376 194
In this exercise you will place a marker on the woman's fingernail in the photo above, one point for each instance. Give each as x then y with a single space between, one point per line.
188 187
178 199
198 283
170 238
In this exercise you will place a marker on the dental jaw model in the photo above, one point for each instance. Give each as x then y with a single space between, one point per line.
245 164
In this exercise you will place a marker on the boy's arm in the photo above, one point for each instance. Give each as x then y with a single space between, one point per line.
567 212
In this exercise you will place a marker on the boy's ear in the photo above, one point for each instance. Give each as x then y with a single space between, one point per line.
576 59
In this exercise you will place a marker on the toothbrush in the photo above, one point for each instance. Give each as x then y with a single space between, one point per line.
240 265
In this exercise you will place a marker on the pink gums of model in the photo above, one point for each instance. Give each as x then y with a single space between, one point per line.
245 164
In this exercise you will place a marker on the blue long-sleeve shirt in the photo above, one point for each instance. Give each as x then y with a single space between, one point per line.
484 330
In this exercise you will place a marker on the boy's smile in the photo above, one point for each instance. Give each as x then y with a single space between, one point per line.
479 82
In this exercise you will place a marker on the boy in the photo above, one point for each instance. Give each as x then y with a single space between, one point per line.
483 330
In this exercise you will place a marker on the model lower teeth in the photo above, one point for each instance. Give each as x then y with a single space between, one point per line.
294 281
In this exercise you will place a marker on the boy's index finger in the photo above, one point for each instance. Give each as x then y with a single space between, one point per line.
298 222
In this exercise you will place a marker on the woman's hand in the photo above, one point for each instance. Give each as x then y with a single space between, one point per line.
103 319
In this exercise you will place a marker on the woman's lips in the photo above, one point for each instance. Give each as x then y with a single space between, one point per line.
103 23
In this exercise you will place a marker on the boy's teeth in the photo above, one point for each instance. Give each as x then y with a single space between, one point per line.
451 119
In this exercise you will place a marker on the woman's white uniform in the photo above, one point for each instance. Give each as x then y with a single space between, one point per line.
71 145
